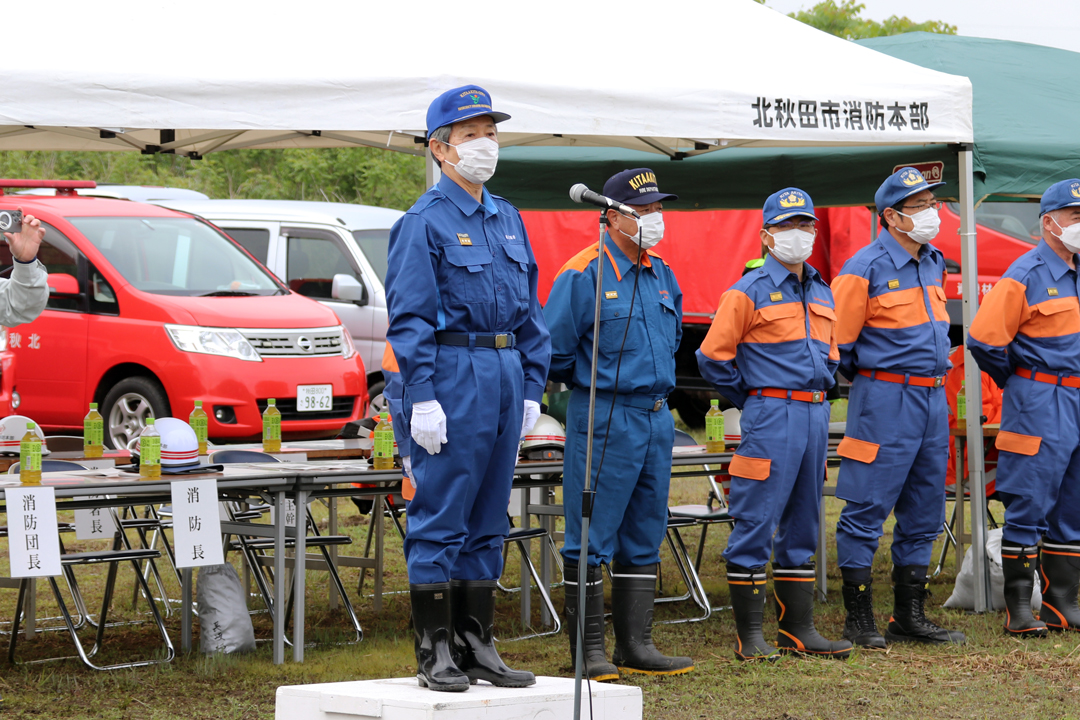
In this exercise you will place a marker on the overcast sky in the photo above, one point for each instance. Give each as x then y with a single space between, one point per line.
1042 22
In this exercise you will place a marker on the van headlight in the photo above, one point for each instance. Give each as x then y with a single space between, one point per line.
347 347
212 341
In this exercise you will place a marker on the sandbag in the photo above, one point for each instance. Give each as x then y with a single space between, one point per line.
224 623
963 596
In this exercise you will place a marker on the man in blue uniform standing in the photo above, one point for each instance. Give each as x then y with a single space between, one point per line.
473 350
893 335
1026 336
772 352
640 328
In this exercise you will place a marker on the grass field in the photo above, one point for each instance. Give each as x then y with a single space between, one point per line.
990 677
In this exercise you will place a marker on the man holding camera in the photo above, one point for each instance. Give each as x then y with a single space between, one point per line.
23 297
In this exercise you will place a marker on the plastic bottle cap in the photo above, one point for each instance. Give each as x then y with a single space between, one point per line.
198 403
93 406
271 402
30 426
714 402
149 421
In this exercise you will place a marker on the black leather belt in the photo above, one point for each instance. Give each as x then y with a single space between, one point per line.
500 341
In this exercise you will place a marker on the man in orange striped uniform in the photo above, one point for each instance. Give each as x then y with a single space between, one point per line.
893 336
772 352
1026 336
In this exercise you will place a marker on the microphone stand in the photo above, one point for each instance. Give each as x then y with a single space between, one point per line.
588 494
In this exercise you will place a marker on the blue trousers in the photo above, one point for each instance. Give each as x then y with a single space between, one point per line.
1041 492
910 427
779 514
629 517
457 521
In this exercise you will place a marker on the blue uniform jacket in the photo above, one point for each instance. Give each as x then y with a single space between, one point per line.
1030 319
648 361
771 331
462 266
891 310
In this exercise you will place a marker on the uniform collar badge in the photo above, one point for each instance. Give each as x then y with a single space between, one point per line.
893 284
776 297
612 294
1052 292
464 239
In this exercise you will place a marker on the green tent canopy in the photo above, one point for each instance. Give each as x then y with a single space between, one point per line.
1025 139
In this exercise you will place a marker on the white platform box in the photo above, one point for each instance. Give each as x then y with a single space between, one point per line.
402 699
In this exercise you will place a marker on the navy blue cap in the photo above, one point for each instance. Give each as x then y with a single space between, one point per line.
1061 194
789 202
467 101
635 187
903 183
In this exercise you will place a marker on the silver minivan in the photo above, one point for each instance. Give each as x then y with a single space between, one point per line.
331 252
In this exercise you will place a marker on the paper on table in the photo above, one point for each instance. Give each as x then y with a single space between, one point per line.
196 523
33 540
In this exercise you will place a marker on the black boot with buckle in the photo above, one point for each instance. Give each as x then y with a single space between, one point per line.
595 660
747 590
432 622
473 603
909 622
860 627
1060 566
1018 566
633 595
793 589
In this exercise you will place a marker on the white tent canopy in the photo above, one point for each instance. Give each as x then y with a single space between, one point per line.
218 76
680 77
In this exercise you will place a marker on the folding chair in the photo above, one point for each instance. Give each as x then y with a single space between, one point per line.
112 558
254 547
520 537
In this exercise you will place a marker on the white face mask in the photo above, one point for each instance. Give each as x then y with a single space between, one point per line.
1069 237
792 246
926 227
476 159
651 229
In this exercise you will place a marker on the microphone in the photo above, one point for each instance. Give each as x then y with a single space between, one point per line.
581 194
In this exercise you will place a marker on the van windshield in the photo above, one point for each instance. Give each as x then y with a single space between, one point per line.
175 256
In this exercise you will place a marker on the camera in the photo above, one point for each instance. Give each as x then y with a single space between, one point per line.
11 221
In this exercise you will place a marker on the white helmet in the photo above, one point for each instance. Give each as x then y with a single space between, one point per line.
179 445
732 429
12 429
546 440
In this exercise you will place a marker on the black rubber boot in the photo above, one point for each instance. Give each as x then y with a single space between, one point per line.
908 622
633 595
595 660
1018 566
860 627
432 623
473 603
747 590
1061 583
793 589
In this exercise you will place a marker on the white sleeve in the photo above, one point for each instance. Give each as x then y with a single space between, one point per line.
23 297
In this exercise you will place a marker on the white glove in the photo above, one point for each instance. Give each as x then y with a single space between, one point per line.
406 462
532 414
428 425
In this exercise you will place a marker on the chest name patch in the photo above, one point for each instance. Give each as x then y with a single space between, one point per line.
776 297
612 294
464 239
893 284
1052 292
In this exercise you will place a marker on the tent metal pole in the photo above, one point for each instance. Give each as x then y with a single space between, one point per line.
973 381
432 173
